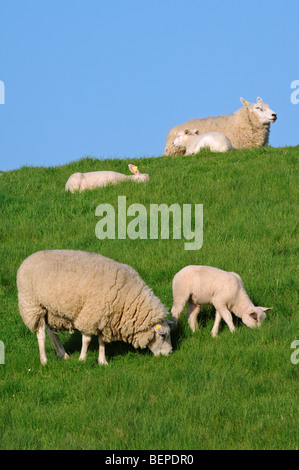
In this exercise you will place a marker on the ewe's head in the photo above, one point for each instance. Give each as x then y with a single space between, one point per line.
161 344
255 316
260 110
183 137
138 176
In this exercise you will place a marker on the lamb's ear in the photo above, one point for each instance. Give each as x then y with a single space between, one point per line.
194 131
265 308
133 169
244 102
259 100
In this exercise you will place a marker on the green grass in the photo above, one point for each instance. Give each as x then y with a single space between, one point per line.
234 392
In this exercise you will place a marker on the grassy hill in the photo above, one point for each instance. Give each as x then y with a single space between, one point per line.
233 392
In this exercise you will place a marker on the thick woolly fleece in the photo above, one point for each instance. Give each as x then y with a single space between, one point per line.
90 293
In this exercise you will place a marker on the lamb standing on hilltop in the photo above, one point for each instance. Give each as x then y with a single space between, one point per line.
202 285
66 289
247 127
96 179
193 143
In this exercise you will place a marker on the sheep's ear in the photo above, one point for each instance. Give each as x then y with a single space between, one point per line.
187 131
133 169
259 100
194 131
244 102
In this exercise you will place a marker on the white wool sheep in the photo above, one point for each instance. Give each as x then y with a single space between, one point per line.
192 142
96 179
202 285
66 289
247 127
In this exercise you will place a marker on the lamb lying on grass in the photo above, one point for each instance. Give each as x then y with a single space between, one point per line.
96 179
247 127
66 289
202 285
193 143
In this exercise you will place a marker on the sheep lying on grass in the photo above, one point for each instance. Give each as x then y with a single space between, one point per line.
66 289
201 285
192 142
96 179
247 127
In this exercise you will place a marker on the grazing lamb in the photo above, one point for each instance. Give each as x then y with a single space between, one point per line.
66 289
247 127
201 285
96 179
192 142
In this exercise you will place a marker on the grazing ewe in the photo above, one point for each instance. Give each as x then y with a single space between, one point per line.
202 285
192 142
96 179
66 289
247 127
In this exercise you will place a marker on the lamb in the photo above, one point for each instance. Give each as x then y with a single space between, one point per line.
247 127
96 179
192 142
202 285
67 289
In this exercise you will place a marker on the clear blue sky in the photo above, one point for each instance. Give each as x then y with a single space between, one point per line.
110 78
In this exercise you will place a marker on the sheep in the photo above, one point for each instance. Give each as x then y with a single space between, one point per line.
96 179
202 285
67 289
192 142
247 127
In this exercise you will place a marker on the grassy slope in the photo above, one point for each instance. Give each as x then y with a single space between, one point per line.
235 391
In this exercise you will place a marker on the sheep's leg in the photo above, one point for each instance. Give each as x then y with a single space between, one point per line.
215 328
193 311
227 317
85 343
60 351
41 338
102 358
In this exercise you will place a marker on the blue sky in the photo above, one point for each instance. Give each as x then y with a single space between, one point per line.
109 79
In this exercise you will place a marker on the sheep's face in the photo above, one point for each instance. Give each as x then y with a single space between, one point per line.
261 111
142 177
161 344
183 137
255 317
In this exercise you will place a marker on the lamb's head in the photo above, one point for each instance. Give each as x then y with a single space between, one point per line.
138 176
161 344
183 137
260 110
255 316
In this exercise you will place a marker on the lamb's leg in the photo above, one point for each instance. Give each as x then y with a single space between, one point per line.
60 351
85 343
227 317
41 338
193 311
215 328
102 358
179 302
